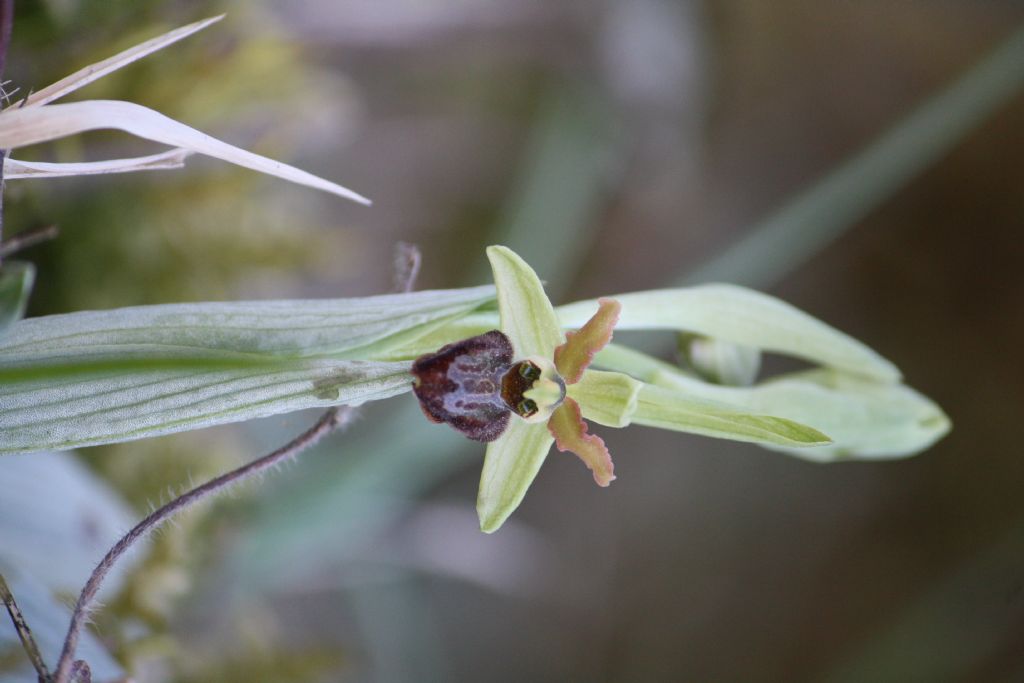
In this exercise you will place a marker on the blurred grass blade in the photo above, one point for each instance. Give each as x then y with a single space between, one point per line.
961 622
510 466
22 127
817 216
46 498
562 181
15 169
88 74
741 316
16 278
669 409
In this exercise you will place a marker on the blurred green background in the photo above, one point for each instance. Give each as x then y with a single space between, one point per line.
617 146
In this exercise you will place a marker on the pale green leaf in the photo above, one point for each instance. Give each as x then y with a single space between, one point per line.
510 466
865 419
105 376
675 410
526 314
16 280
95 403
741 316
608 398
364 327
22 127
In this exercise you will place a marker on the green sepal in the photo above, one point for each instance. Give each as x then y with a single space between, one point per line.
526 313
510 466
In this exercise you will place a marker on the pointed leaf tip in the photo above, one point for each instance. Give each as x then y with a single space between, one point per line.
580 347
570 432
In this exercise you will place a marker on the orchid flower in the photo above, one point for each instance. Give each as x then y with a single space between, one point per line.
527 386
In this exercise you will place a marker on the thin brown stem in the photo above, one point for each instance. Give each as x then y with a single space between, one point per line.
334 418
24 632
28 238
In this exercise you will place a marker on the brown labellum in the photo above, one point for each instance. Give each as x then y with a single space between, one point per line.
462 385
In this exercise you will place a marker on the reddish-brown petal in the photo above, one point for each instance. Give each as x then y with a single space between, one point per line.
573 357
570 432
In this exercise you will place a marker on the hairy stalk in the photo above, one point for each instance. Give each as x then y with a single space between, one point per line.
24 632
334 418
27 238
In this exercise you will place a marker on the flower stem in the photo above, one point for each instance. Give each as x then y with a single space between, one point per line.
333 419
